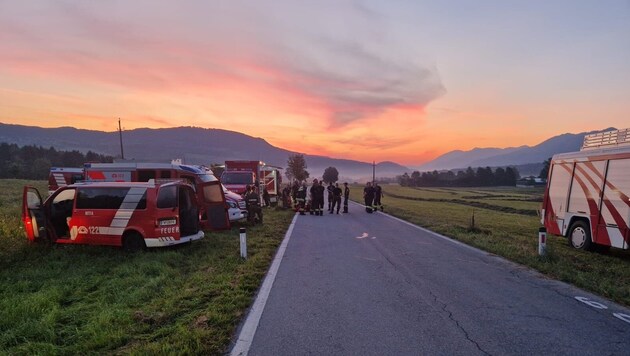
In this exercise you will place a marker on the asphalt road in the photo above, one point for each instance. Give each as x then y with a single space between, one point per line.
368 284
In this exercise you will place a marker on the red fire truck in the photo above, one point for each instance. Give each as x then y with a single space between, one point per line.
131 215
238 174
213 209
587 198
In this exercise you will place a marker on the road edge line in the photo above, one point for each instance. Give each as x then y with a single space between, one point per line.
248 331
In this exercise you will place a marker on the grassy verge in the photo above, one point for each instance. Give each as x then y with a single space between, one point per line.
92 299
511 233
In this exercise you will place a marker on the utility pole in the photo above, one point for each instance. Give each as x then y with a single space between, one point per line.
122 153
373 172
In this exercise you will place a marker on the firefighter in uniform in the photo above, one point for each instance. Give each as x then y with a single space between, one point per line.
331 196
301 198
286 197
337 198
346 195
378 194
254 212
319 193
294 191
314 198
368 196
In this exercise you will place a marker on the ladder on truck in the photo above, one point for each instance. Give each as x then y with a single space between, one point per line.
607 139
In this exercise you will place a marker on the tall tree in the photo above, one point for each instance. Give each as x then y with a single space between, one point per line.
404 179
511 176
544 172
331 175
296 167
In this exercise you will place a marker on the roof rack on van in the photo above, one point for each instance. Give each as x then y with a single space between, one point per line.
607 139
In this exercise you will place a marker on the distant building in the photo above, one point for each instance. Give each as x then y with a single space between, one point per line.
530 182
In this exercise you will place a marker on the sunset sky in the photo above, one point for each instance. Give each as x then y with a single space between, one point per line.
384 80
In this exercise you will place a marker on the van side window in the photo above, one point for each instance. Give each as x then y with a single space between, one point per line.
146 175
618 181
559 187
76 178
65 199
587 180
106 198
213 193
167 197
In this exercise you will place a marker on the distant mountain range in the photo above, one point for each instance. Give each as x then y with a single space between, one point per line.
205 146
193 145
511 156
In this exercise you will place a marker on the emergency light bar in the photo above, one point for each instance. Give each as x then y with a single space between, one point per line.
607 139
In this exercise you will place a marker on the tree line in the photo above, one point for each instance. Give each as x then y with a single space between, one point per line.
34 162
481 177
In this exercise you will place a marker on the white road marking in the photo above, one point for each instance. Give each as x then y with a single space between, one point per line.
624 317
430 232
591 303
246 336
364 235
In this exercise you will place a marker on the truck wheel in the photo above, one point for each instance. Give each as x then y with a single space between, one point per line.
580 236
133 242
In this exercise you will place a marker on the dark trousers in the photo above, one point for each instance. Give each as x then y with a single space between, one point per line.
336 202
368 204
345 204
301 205
331 198
253 213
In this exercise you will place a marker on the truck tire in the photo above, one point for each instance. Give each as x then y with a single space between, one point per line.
580 236
133 242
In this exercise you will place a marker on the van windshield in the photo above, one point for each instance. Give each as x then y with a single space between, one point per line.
237 178
205 177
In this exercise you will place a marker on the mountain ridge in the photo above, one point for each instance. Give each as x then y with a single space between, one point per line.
510 156
211 146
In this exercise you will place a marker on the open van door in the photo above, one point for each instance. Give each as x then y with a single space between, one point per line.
33 216
215 215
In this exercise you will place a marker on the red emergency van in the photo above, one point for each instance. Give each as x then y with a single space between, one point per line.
130 215
62 176
587 198
213 209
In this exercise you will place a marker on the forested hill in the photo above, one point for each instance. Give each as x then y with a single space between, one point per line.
34 162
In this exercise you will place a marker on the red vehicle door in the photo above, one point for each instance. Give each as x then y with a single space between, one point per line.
214 215
33 216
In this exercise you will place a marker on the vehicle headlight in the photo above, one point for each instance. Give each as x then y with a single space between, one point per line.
232 204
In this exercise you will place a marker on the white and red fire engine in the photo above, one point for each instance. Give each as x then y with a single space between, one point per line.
588 192
131 215
238 174
210 196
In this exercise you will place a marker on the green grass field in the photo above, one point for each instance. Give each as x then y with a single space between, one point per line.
506 224
93 299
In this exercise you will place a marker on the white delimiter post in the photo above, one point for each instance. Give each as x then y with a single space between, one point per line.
542 241
243 243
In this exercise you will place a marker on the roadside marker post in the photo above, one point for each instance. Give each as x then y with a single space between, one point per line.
542 241
243 236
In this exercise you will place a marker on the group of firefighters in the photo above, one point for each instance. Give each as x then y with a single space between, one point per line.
301 194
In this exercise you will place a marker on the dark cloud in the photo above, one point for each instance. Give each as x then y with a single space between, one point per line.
359 83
